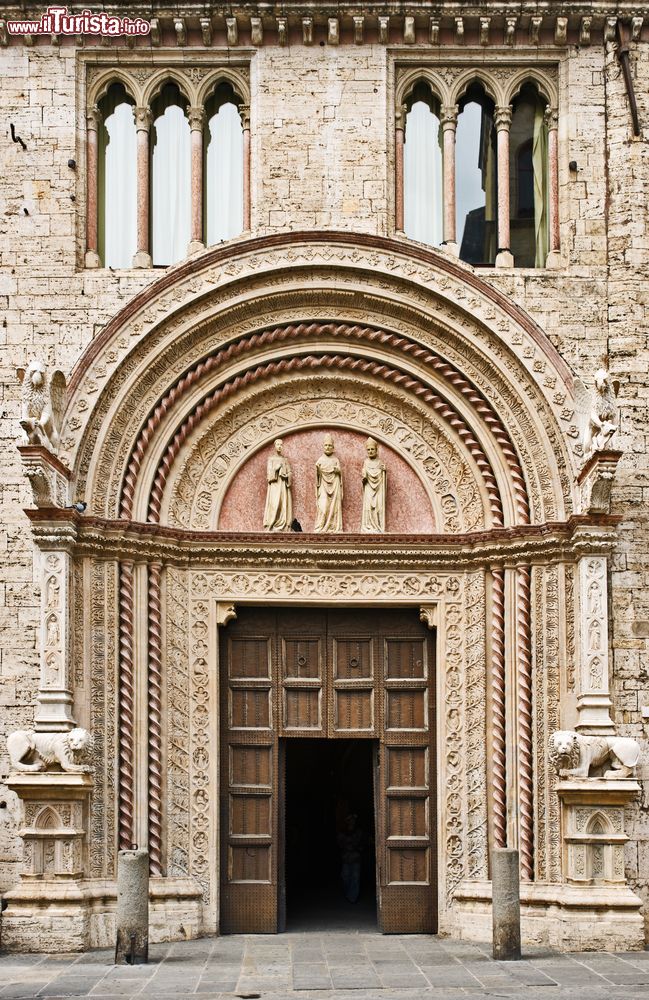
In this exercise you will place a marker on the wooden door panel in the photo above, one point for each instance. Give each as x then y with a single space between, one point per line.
249 778
406 827
327 674
302 669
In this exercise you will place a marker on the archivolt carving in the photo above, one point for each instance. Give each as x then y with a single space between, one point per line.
195 494
103 712
178 711
545 583
458 312
450 416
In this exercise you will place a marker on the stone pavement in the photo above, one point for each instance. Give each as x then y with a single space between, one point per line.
328 966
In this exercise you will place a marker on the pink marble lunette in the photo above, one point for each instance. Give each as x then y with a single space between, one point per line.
408 508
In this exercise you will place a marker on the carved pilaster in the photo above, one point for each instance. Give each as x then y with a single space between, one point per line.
593 701
54 709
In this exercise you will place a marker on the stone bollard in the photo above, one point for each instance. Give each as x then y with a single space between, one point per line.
506 904
132 944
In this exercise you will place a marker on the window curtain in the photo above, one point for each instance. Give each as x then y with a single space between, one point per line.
540 170
422 175
171 180
117 181
224 175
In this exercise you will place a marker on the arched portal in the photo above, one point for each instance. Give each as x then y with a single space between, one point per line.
171 418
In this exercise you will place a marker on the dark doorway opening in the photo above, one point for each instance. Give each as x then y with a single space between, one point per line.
328 781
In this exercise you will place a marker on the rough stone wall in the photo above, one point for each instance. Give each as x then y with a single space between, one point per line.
321 157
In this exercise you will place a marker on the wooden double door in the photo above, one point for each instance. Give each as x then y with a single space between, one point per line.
327 674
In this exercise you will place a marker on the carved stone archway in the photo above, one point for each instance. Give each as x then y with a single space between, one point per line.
168 404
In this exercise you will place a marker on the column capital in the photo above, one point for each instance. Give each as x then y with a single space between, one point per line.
400 116
503 118
143 118
551 118
448 116
93 118
196 118
244 114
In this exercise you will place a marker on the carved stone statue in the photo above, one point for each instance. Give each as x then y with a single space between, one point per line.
328 490
44 749
582 753
278 513
43 403
598 411
374 489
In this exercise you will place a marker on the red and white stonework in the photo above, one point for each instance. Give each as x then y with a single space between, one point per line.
524 551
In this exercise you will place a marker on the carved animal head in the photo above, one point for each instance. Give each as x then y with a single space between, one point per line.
33 375
564 749
79 739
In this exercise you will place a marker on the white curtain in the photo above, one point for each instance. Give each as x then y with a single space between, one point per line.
171 180
540 168
224 175
422 176
117 188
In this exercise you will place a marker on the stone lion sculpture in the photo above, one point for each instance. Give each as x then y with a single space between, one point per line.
573 755
45 749
43 402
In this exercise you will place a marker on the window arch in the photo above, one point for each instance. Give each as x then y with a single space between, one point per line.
476 175
422 166
223 166
116 178
170 177
528 179
167 164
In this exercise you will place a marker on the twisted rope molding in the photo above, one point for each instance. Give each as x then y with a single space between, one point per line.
125 702
300 330
525 766
329 362
154 695
498 734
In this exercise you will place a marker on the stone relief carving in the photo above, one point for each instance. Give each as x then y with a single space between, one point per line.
329 490
251 264
178 712
45 749
545 581
598 411
200 483
587 753
278 513
43 404
594 625
103 715
374 479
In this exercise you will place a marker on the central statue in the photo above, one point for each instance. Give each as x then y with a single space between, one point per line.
328 490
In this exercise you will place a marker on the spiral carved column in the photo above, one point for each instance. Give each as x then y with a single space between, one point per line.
498 735
125 701
524 677
155 721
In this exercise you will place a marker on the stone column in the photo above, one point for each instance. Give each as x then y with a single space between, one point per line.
553 259
506 904
196 123
448 121
503 120
593 701
132 945
244 111
399 140
143 120
54 708
93 119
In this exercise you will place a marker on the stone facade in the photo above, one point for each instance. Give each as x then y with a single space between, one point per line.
322 122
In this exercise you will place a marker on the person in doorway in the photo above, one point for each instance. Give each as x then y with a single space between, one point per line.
350 842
